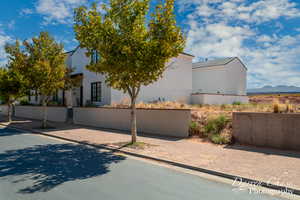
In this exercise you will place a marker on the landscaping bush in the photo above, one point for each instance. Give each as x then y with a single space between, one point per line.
25 103
195 129
236 103
218 130
225 137
215 125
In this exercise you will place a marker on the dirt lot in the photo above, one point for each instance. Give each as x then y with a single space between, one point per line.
268 98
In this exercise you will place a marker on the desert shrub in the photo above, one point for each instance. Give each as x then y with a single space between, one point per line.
237 103
223 107
24 102
194 129
276 106
218 130
215 125
223 138
53 103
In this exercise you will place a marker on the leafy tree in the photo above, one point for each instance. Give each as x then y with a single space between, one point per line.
11 87
43 67
132 50
12 81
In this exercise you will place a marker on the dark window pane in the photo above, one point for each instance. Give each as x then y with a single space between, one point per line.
96 92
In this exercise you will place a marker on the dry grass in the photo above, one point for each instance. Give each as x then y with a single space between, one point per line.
225 108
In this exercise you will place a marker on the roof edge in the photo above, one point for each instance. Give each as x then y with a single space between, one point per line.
187 54
232 58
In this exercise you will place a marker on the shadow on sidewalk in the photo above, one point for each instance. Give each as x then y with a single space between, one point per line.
53 164
267 151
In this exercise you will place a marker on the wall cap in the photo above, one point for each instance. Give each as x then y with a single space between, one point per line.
219 94
176 109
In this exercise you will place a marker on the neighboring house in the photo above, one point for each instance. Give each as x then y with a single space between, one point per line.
219 81
183 81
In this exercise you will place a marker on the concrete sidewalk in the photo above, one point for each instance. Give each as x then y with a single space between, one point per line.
268 165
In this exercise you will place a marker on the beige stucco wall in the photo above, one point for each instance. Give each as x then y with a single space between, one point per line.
267 129
56 114
225 79
155 121
218 99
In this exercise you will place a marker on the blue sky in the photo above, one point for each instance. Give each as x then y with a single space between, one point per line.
265 34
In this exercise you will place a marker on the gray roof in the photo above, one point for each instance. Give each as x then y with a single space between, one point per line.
211 63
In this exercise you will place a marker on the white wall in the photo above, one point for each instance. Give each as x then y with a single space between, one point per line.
56 114
226 79
155 121
237 78
175 84
218 99
90 77
209 80
79 62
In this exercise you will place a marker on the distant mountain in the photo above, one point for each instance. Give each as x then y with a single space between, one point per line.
276 89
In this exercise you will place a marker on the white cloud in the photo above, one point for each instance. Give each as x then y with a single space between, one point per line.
253 12
229 28
11 24
58 11
264 38
3 40
26 11
273 62
217 40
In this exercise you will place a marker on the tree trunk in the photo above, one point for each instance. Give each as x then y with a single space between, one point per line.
44 124
133 121
9 111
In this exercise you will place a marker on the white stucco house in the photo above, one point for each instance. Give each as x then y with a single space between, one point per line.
220 81
211 82
175 85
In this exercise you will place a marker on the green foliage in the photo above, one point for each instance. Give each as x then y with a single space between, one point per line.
193 125
42 62
215 125
12 80
237 103
132 50
194 129
11 85
220 138
24 102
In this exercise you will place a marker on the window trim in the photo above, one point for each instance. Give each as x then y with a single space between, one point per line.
96 91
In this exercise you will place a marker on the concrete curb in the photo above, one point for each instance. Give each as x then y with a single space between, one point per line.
172 163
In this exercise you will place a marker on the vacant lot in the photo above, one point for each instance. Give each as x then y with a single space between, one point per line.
268 98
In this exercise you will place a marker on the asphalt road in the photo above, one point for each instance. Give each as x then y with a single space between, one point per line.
39 168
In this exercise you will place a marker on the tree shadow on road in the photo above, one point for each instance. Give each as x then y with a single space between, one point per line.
5 131
50 165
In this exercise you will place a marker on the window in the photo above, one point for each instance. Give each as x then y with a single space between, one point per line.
96 92
94 57
36 96
55 96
